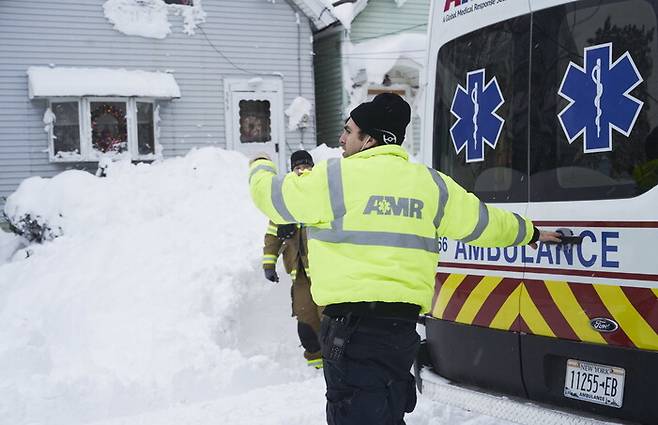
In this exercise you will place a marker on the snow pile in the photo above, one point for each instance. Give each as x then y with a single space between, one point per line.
137 304
298 113
48 82
9 244
324 152
151 307
149 18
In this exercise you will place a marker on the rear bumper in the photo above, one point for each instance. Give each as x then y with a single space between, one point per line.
534 367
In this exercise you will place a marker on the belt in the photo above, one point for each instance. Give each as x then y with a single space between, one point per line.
403 311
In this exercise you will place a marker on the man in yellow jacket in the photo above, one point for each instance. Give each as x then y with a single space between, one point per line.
374 221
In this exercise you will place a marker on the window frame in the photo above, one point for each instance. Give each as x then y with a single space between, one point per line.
51 131
87 153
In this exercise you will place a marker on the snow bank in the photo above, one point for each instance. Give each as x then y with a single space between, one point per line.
149 18
324 152
9 244
151 307
138 303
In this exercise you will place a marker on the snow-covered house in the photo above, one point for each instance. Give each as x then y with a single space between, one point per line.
379 46
84 80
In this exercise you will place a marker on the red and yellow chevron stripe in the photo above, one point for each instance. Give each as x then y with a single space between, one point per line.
549 308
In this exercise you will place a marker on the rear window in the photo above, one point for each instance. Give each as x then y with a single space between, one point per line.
482 79
594 117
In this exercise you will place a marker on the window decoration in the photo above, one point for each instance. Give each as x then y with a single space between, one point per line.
109 129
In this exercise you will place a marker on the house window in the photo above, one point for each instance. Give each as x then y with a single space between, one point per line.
145 129
180 2
255 122
65 129
87 128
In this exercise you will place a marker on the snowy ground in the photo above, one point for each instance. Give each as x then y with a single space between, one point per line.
151 307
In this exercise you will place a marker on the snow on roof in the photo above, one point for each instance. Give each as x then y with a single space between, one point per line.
379 55
149 18
317 11
55 82
376 57
346 12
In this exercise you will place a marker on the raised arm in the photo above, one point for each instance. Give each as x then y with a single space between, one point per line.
291 198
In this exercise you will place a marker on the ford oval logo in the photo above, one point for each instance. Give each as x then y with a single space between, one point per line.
603 324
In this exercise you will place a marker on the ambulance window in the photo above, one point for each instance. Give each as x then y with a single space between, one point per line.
496 58
588 138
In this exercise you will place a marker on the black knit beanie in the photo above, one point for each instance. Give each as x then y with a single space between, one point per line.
299 158
385 118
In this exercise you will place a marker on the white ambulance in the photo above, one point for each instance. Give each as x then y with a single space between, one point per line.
549 108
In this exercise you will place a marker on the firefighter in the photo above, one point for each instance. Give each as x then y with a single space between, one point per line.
289 240
374 219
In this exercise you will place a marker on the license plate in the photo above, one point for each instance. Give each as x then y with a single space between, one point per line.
595 383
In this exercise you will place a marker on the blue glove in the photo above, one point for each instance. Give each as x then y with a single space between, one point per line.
270 274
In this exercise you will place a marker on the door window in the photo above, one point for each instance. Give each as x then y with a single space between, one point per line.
255 121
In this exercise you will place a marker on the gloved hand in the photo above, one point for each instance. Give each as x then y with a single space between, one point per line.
270 274
285 231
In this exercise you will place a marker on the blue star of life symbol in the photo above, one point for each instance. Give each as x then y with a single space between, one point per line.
599 99
477 122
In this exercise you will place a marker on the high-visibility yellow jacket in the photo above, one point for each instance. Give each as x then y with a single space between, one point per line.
374 221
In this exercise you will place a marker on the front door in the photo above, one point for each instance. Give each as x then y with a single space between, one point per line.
254 114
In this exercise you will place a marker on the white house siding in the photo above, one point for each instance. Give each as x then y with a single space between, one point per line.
258 35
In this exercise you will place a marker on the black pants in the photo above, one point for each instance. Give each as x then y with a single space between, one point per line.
370 383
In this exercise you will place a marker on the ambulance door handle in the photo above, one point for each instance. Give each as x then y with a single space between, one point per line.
568 237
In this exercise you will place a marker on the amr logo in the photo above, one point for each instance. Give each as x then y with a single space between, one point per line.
390 205
599 98
477 122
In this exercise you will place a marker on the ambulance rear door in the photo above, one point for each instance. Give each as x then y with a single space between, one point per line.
593 164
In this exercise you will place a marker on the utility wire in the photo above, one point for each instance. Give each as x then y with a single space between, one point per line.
239 68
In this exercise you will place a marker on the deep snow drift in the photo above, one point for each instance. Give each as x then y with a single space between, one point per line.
151 307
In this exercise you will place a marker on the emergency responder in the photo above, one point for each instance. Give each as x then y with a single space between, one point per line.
290 241
374 221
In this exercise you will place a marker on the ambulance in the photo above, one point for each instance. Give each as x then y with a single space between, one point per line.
549 108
